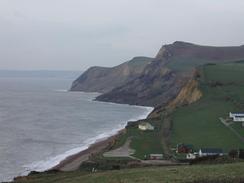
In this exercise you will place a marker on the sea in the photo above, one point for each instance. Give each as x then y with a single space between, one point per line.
42 123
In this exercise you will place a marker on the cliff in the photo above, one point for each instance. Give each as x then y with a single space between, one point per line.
102 79
173 67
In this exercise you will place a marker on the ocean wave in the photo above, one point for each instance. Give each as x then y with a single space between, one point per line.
51 162
61 90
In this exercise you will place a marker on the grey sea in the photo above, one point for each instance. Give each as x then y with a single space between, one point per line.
41 123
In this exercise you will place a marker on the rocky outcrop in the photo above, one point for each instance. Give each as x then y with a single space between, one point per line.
102 79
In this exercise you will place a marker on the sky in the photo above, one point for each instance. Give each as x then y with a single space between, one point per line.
77 34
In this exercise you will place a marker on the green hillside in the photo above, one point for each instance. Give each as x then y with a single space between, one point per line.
199 124
225 173
143 142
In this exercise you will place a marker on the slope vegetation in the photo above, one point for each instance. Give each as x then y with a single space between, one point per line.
199 124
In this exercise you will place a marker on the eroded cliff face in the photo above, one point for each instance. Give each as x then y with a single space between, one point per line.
151 89
188 94
161 80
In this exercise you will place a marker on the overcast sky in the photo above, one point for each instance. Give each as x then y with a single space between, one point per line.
76 34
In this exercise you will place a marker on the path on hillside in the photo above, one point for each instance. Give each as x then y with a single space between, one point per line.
166 125
123 151
223 121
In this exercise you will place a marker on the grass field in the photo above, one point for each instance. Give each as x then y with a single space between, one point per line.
225 73
224 173
143 142
198 123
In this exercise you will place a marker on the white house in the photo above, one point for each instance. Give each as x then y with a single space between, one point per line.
210 152
233 115
145 126
191 156
237 117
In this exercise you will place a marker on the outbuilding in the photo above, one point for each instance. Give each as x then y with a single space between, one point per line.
232 115
237 117
210 152
184 148
145 126
191 156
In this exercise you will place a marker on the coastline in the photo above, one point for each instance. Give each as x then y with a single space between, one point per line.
73 160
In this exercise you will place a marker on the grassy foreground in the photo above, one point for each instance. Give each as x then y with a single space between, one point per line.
181 174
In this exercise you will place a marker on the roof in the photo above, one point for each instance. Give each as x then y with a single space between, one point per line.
238 114
211 150
190 146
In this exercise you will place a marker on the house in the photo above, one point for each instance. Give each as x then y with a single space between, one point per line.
210 152
237 117
191 156
184 148
156 156
145 126
232 115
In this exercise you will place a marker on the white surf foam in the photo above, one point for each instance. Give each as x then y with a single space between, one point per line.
51 162
61 90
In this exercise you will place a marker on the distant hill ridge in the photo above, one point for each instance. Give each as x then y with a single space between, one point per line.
160 80
183 55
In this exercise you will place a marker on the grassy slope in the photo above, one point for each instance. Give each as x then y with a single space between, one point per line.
178 174
186 63
143 142
198 124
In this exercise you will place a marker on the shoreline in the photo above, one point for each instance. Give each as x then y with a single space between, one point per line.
73 161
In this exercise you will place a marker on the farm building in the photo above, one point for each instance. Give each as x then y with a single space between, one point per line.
184 148
191 156
232 115
237 117
145 126
156 156
210 152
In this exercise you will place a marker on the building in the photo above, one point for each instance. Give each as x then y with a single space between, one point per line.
184 148
156 156
237 117
210 152
145 126
232 115
191 156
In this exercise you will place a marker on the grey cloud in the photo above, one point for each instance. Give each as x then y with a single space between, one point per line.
75 34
